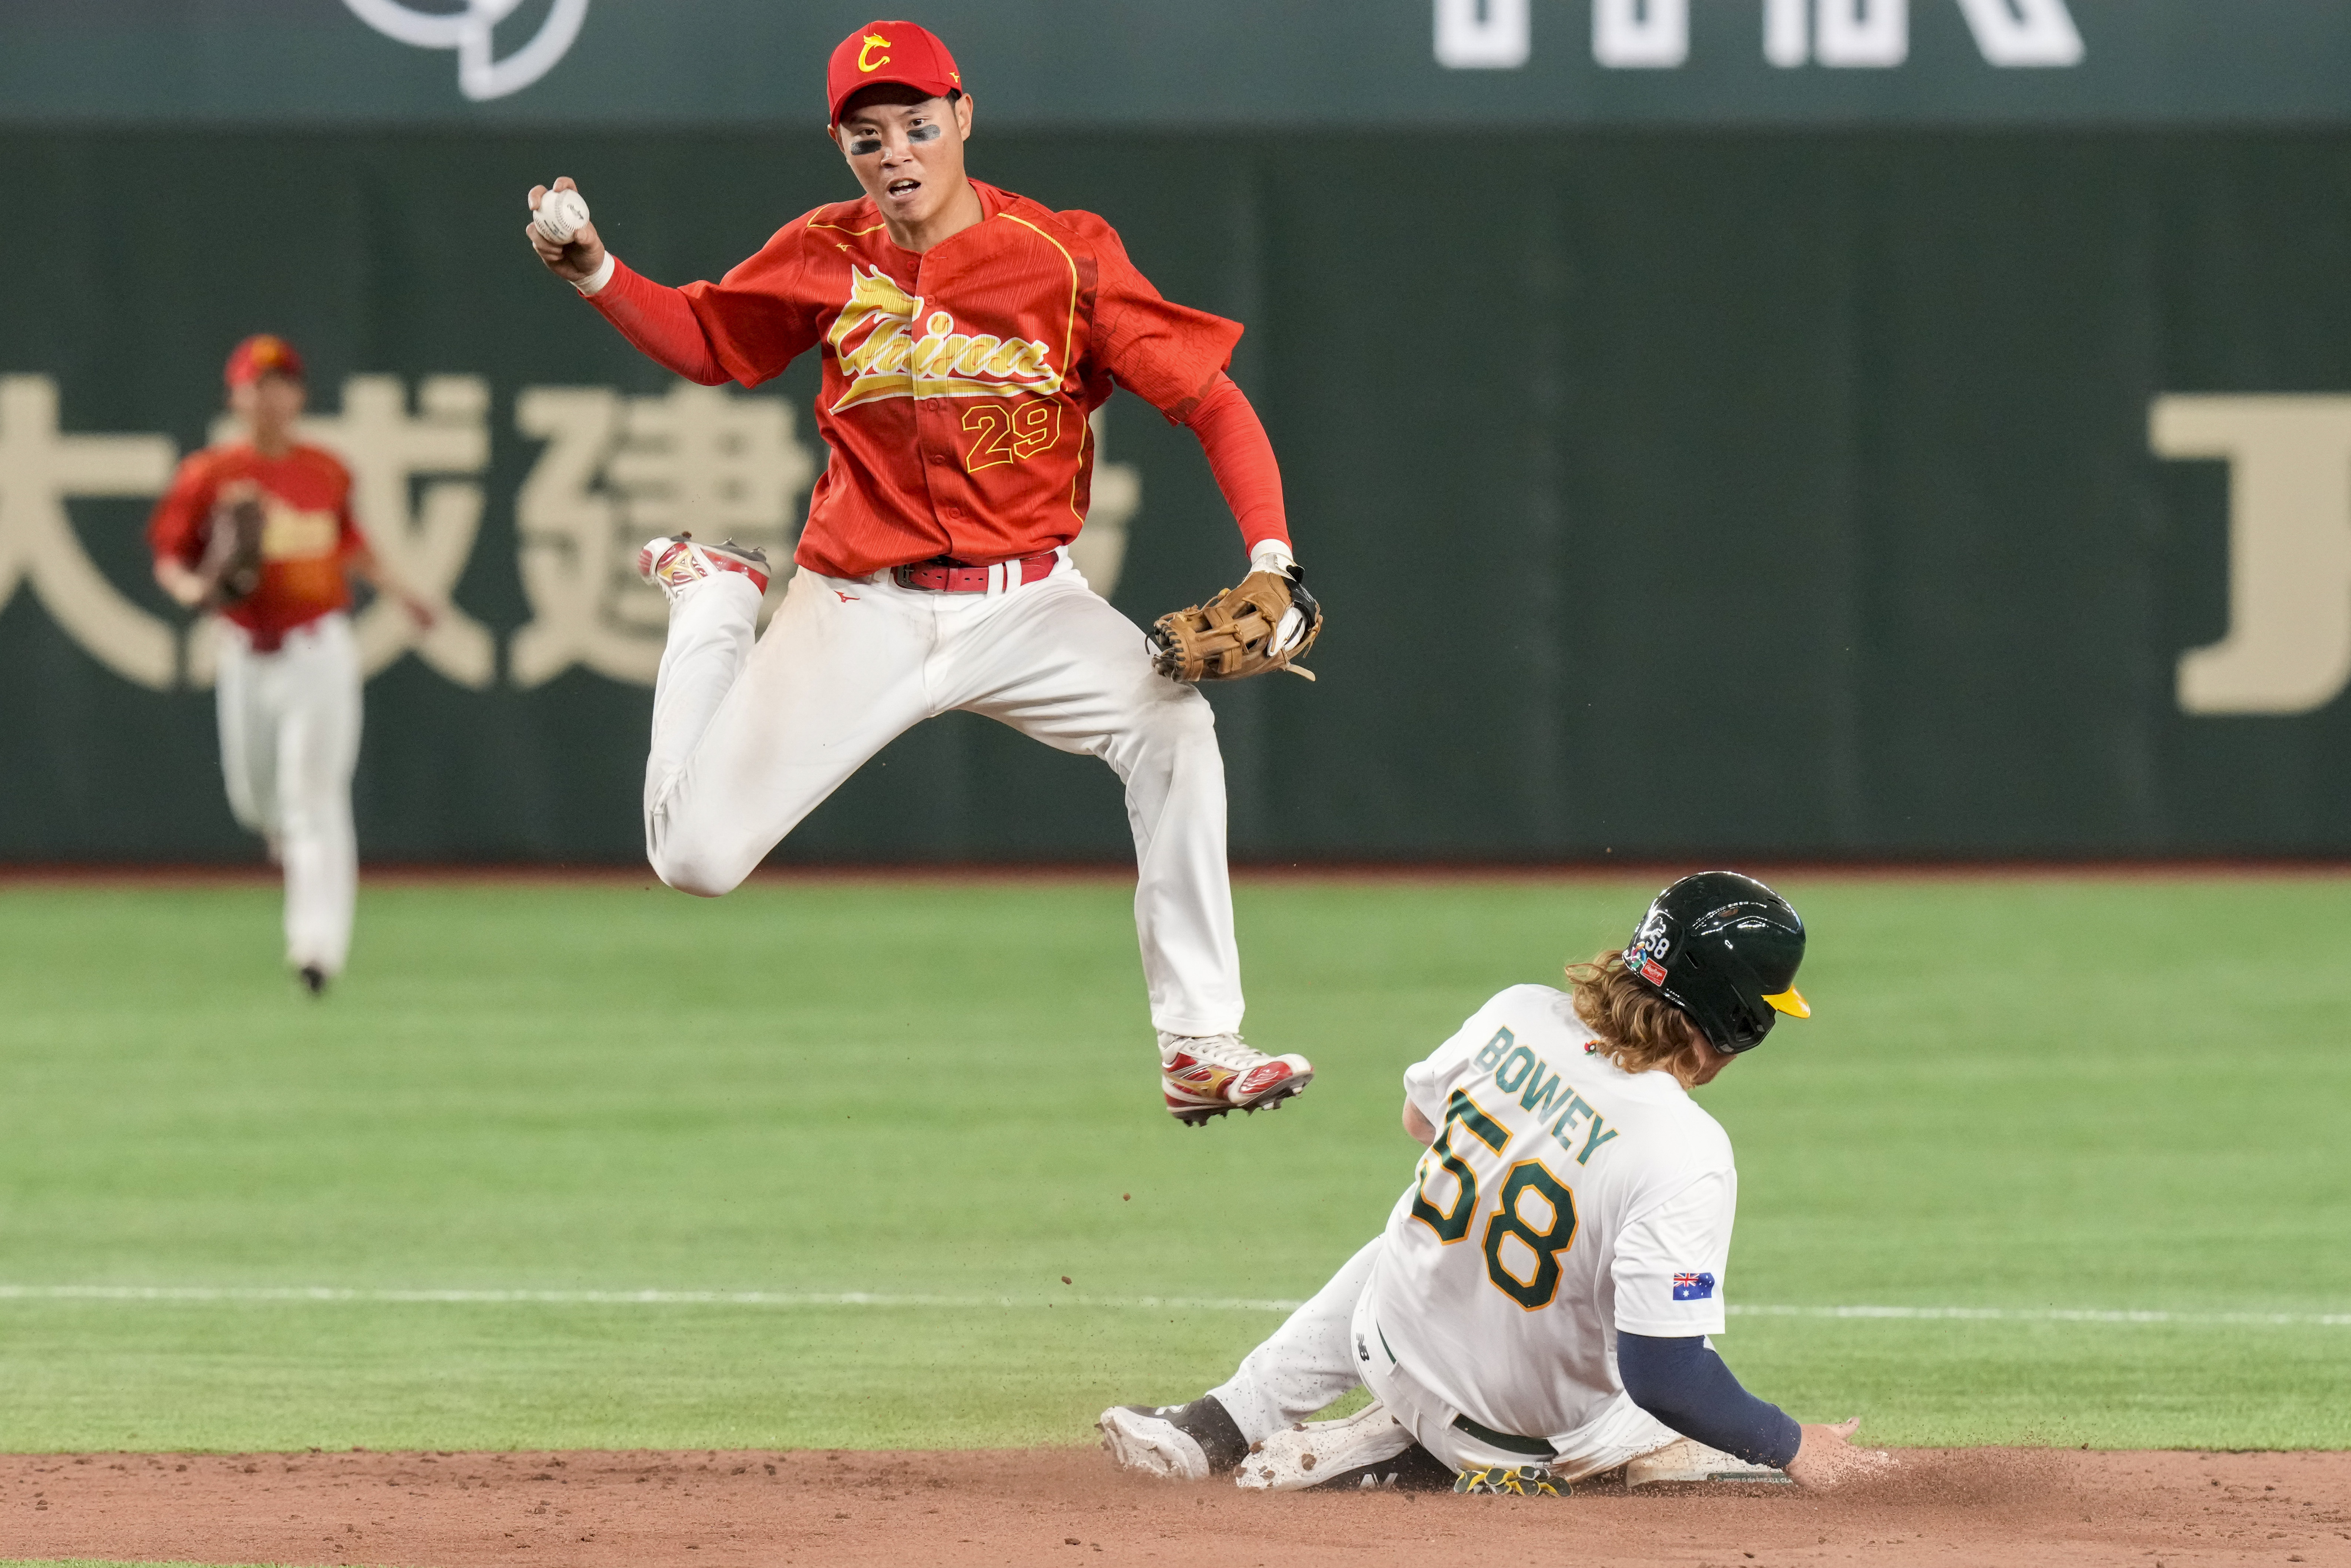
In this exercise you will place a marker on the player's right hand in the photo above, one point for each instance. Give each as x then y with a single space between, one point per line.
1827 1458
577 261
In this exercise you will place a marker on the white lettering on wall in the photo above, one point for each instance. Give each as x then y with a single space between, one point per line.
1481 35
426 539
40 469
2024 33
1870 34
1640 35
2288 648
471 31
616 472
1787 32
1654 34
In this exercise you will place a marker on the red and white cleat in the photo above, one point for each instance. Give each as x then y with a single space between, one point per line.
674 562
1208 1075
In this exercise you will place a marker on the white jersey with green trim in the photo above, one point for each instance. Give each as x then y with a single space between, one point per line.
1561 1200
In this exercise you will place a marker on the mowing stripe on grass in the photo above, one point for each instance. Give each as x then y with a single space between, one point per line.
259 1294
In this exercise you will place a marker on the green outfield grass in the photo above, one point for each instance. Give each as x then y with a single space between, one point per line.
2022 1096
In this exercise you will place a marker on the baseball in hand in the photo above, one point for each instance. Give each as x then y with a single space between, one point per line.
561 214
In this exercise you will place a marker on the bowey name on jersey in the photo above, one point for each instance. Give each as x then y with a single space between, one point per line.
1561 1199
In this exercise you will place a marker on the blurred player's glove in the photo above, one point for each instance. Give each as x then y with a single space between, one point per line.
231 567
1266 623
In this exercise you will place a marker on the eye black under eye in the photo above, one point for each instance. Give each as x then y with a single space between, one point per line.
924 134
859 146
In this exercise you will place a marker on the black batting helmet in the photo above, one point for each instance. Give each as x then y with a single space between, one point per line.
1723 948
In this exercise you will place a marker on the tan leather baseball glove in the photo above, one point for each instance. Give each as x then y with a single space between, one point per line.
1266 623
231 567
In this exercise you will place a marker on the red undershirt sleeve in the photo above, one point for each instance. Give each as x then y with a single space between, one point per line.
658 319
1242 459
175 529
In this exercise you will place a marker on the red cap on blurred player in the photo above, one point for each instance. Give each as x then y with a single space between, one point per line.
897 52
263 354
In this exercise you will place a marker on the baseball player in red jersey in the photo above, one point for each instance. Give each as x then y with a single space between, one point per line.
965 334
290 671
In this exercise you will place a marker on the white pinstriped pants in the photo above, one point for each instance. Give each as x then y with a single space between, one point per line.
289 733
749 737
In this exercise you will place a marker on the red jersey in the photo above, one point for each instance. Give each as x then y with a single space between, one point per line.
308 533
958 381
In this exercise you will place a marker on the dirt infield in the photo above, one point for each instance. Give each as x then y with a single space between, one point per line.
700 1510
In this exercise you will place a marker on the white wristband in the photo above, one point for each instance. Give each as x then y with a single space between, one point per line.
1271 554
593 283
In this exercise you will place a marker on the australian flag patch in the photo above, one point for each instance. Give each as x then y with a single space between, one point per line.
1693 1287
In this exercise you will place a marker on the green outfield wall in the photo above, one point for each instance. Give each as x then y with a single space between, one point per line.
1226 64
1738 492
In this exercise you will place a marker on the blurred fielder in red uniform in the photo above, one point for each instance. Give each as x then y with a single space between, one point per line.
965 334
260 532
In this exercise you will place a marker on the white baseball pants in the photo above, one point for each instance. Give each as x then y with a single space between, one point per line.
1331 1345
289 732
1308 1362
748 738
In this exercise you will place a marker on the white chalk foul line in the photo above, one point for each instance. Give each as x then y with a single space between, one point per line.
295 1293
262 1294
2057 1315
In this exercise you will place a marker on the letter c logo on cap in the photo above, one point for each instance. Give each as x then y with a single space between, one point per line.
871 41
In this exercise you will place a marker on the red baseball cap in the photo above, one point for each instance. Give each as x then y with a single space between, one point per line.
263 354
897 52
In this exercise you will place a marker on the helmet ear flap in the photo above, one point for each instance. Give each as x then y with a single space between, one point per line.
1747 1034
1721 946
1732 1030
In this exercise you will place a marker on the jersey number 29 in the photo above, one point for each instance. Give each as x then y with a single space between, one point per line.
1532 1291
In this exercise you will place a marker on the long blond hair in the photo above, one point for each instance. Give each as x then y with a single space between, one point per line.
1639 1031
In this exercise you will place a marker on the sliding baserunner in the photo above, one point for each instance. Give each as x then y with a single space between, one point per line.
966 335
1538 1308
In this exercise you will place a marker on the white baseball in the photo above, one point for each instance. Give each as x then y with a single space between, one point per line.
561 214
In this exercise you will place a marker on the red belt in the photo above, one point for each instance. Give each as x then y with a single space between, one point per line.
944 576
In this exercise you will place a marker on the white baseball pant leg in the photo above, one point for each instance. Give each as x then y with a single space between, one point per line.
290 730
749 737
1308 1362
1622 1431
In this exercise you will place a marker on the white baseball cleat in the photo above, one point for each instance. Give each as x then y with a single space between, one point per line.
1208 1075
1140 1438
674 562
1688 1459
1313 1452
1174 1442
